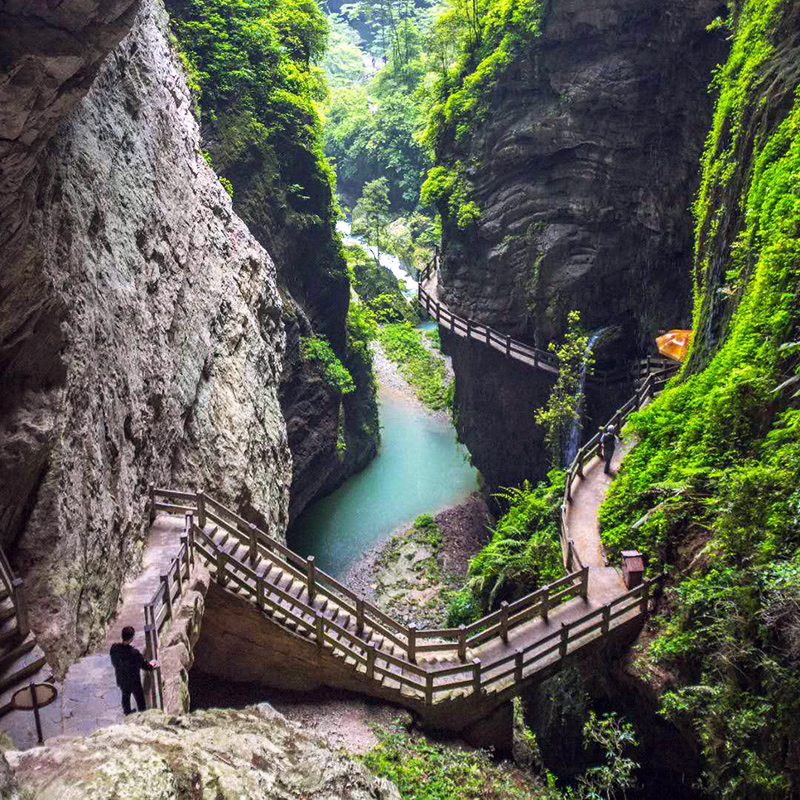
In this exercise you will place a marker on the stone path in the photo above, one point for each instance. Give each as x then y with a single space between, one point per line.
89 699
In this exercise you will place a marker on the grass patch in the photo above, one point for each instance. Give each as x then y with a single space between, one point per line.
424 370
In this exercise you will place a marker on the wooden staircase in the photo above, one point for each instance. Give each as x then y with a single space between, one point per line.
21 659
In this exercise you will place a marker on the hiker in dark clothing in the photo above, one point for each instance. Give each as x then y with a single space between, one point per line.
128 663
608 441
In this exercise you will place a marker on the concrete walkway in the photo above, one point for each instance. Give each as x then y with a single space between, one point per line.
89 699
588 494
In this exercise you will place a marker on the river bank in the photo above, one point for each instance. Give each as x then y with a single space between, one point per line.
411 573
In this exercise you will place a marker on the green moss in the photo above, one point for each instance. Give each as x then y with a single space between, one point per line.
318 350
718 459
423 770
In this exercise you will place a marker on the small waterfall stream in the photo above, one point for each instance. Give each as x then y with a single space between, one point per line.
573 438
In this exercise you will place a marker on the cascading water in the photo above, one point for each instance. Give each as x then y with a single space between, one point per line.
573 438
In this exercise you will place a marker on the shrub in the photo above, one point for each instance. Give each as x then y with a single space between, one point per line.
318 350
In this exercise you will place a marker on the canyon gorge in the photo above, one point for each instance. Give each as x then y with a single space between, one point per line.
178 309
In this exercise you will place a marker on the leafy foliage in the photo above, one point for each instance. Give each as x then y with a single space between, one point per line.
563 405
371 214
334 373
422 770
377 288
718 457
615 775
523 554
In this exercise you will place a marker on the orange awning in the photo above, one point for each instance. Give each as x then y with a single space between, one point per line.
674 344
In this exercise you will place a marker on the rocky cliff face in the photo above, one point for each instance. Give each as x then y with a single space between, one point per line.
584 171
282 189
208 755
141 334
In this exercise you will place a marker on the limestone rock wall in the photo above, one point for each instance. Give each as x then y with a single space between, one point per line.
249 754
141 340
584 171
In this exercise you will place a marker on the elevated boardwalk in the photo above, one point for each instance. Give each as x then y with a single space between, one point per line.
451 678
543 360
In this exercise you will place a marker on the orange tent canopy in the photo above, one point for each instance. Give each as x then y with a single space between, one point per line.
674 344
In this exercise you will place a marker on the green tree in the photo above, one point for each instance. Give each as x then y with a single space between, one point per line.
371 213
563 406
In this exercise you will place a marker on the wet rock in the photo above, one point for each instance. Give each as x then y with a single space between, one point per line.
584 171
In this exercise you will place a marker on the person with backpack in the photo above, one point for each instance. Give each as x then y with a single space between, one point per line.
608 443
128 663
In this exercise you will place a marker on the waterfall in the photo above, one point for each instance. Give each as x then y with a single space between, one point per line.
573 437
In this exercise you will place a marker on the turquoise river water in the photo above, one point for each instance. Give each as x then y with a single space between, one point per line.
420 469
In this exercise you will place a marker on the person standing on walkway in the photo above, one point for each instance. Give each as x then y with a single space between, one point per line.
128 663
608 442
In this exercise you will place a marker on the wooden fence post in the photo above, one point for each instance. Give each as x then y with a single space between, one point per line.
488 336
545 605
535 358
222 557
150 654
320 626
579 459
504 621
469 329
21 607
191 544
562 645
167 594
508 346
260 592
371 661
359 617
182 561
606 619
412 643
201 509
476 676
643 609
518 657
151 489
569 555
311 574
462 643
253 544
429 689
585 583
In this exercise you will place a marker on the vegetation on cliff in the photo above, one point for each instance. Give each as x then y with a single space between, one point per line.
524 553
712 486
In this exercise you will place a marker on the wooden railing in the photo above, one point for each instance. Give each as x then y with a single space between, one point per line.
160 610
513 348
652 385
424 682
15 589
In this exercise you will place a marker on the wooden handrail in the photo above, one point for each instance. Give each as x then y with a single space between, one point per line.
542 359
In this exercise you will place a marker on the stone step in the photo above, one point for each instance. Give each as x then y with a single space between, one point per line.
9 635
21 668
17 651
7 610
